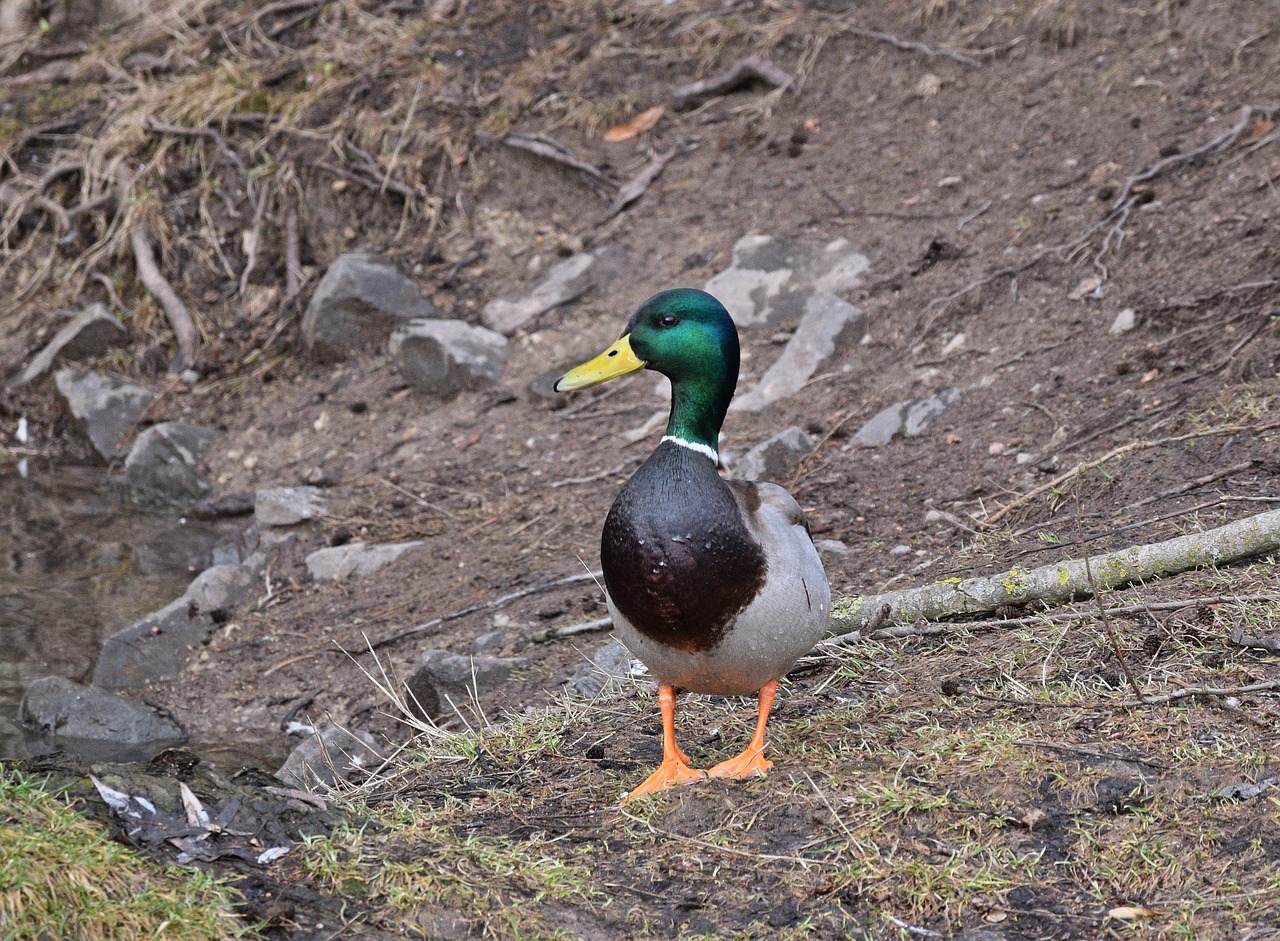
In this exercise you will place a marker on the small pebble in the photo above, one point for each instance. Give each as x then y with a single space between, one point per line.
994 448
900 550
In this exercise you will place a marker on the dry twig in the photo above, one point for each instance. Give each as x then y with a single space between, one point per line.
911 45
745 70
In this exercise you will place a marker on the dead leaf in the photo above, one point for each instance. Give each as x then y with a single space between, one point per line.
644 121
1262 126
1130 913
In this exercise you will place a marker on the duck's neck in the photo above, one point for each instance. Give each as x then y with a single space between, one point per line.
698 407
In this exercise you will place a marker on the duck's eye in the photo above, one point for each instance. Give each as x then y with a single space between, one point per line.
669 320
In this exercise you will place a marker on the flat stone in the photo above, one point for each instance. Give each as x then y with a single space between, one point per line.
565 282
444 357
59 707
774 458
909 417
828 327
830 549
163 468
355 559
357 304
91 332
288 506
611 665
329 759
159 645
104 408
445 681
771 279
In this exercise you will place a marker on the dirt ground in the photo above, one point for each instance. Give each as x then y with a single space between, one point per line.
1019 173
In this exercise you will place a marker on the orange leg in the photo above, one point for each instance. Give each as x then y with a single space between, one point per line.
675 763
752 761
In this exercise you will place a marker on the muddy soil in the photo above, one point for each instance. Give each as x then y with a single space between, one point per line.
980 183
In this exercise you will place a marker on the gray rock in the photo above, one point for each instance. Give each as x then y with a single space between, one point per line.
774 458
57 706
830 549
565 282
355 559
828 328
160 644
163 466
611 665
329 759
910 418
91 332
445 682
444 357
771 279
288 506
491 641
357 304
1125 321
105 409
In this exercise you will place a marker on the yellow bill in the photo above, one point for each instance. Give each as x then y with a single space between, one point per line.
617 360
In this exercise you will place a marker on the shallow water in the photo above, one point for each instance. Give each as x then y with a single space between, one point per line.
77 566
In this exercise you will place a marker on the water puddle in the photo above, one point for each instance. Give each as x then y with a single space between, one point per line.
75 567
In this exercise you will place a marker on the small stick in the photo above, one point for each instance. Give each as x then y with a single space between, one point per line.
1106 621
639 184
746 69
973 215
292 256
484 606
255 234
910 45
573 481
549 149
1204 691
585 627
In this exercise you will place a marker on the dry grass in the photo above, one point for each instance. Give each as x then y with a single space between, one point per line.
1017 792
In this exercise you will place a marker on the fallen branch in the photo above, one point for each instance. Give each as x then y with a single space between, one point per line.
585 627
639 184
910 45
1064 581
485 606
742 72
1267 642
184 328
1203 691
292 257
553 150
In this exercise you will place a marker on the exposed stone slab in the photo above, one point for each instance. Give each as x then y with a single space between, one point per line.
330 758
159 645
828 327
909 417
565 282
774 458
288 506
163 467
57 706
357 304
104 408
91 332
355 559
771 279
445 681
445 357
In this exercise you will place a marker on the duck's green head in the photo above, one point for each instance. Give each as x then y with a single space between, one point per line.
689 337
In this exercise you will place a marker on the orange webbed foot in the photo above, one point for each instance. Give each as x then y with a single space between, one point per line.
670 773
750 762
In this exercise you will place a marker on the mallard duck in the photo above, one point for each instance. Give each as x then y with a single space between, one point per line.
713 584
